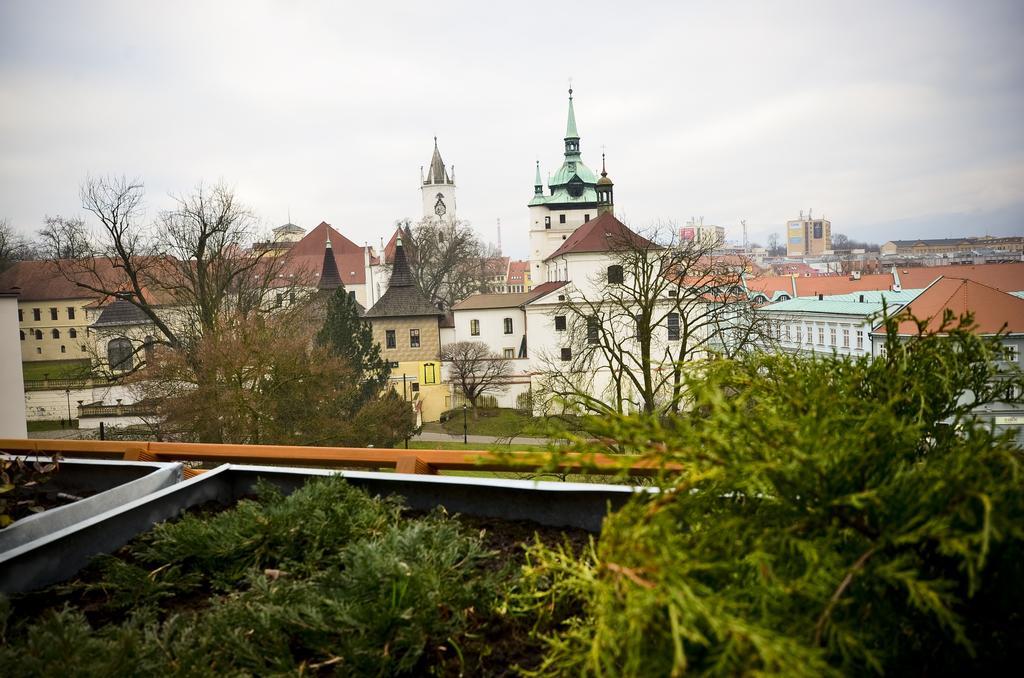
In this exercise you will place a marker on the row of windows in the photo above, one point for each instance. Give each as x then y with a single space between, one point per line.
37 314
561 220
280 298
798 333
63 349
391 340
474 327
72 333
593 327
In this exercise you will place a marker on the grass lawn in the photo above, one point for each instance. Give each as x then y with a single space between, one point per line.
49 425
55 369
502 423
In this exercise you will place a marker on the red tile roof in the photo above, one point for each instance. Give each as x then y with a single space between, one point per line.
307 255
518 299
1006 277
994 310
518 266
822 284
603 234
49 280
41 281
539 291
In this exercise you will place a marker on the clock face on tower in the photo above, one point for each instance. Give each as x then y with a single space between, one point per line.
439 208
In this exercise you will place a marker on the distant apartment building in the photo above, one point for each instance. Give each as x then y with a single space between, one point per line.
807 236
519 277
696 231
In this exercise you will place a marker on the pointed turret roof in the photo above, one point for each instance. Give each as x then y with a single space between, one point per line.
604 180
401 274
570 124
330 279
403 297
437 174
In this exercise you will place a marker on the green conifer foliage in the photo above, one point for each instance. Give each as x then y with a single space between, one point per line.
350 337
834 516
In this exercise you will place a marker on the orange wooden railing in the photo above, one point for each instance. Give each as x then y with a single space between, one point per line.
403 461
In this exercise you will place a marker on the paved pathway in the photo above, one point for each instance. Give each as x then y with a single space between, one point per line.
432 436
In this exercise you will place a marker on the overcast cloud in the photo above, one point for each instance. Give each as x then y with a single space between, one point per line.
893 119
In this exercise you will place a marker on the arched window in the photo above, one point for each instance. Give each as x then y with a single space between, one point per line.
73 333
55 334
39 334
119 354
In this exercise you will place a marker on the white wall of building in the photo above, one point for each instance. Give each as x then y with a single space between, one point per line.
12 411
847 335
544 241
430 193
52 404
492 328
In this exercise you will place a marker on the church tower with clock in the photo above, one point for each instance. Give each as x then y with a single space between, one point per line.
438 189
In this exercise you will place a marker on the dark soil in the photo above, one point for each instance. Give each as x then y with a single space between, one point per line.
41 495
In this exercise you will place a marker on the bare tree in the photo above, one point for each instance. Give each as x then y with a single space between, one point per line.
657 310
475 370
181 273
446 259
13 247
775 246
63 238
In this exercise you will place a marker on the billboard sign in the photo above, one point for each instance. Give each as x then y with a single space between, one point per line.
686 234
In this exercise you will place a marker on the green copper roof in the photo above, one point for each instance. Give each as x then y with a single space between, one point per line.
560 196
846 304
570 169
570 125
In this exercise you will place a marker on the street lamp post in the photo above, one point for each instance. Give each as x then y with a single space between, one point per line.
67 392
465 426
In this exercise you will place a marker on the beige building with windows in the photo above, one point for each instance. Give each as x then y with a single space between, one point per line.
51 312
408 328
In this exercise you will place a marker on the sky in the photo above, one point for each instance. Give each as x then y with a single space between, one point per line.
891 119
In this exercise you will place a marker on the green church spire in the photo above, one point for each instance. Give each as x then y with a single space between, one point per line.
538 185
570 125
